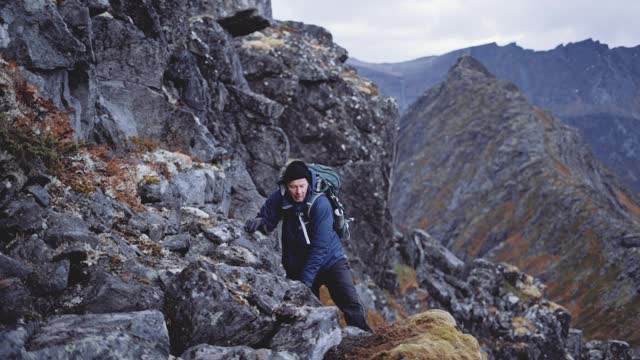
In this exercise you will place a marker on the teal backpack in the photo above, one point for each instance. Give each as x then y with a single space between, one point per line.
328 183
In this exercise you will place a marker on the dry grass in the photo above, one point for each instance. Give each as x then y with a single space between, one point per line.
431 335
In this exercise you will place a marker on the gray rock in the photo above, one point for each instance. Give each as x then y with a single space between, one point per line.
202 310
209 352
10 267
115 40
179 243
40 194
311 336
50 278
122 335
23 215
109 294
199 246
45 50
575 343
197 187
13 178
13 339
32 250
245 200
16 301
618 350
66 228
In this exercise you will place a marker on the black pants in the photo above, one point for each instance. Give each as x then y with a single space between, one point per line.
339 281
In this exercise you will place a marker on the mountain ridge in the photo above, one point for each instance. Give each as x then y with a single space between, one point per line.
490 175
586 84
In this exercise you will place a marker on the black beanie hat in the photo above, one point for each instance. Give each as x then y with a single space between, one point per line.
296 170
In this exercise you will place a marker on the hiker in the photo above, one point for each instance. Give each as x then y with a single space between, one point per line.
311 250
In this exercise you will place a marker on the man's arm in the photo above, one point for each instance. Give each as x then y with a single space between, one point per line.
320 236
270 213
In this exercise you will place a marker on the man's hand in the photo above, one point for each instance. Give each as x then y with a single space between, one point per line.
253 224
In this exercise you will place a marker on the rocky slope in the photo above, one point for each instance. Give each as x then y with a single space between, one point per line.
586 84
492 176
181 74
133 147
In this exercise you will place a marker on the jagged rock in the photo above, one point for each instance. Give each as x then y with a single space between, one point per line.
66 228
420 248
40 194
13 177
346 125
310 337
16 301
13 339
209 352
202 310
50 278
178 243
121 335
23 215
115 40
25 41
10 267
31 250
98 210
265 291
197 187
109 294
245 198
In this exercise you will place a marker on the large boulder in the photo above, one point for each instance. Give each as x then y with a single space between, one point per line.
201 309
120 335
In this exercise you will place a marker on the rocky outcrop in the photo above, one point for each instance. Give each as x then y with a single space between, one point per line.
333 117
492 176
506 310
585 84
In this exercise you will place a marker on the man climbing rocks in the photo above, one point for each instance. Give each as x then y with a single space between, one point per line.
311 249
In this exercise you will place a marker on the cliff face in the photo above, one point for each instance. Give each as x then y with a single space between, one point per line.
333 117
490 175
133 146
586 84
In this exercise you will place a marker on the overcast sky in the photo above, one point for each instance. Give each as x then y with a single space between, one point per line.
397 30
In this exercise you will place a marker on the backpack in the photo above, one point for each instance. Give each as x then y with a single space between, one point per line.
328 183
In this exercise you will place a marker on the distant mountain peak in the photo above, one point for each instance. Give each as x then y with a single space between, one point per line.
468 66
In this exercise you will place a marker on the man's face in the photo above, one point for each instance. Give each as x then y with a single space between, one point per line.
298 189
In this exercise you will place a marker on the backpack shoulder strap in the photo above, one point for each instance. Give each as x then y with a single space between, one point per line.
312 200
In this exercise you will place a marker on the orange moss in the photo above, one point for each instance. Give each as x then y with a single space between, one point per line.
513 249
562 169
631 207
501 217
540 263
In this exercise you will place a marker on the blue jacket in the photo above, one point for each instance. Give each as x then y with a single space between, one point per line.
301 260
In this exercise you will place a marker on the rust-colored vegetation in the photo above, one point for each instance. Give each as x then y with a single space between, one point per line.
562 169
631 207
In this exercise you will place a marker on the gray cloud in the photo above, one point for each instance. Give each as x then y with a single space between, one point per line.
383 30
